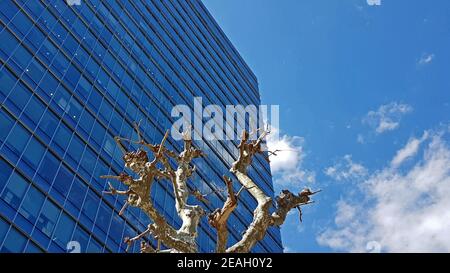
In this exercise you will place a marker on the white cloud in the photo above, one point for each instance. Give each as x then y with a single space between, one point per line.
403 211
360 139
426 59
374 2
408 151
286 165
345 212
387 117
346 169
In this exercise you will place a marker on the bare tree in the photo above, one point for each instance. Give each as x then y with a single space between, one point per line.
160 168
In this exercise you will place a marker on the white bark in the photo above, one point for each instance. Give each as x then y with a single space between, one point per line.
184 239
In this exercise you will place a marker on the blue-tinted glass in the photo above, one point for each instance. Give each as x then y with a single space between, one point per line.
8 44
104 216
6 124
88 162
7 81
8 8
22 57
49 84
34 110
18 138
77 192
62 136
22 23
5 173
33 153
81 237
150 59
63 181
94 247
63 231
48 124
35 70
76 149
14 190
47 220
3 229
20 96
90 205
32 204
48 167
32 248
14 242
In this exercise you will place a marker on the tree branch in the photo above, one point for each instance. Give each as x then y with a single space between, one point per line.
219 218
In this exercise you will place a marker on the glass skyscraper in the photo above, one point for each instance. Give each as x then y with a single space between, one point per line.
74 76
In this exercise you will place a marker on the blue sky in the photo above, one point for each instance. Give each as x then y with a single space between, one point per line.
364 95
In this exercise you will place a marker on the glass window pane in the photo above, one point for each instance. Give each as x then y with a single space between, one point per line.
34 110
90 205
63 181
6 123
7 80
48 124
15 189
32 248
48 167
81 237
64 230
47 219
77 192
18 139
4 226
14 242
32 204
104 216
9 42
5 173
94 247
62 136
88 161
22 57
20 96
33 153
75 149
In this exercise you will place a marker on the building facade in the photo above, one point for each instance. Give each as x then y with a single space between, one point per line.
74 76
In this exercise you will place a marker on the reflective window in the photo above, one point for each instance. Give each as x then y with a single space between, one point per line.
32 204
81 237
32 248
63 231
14 242
20 96
7 80
94 247
9 42
3 229
18 138
90 205
15 189
5 173
77 192
48 167
33 153
62 136
63 181
47 219
6 123
48 124
34 110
